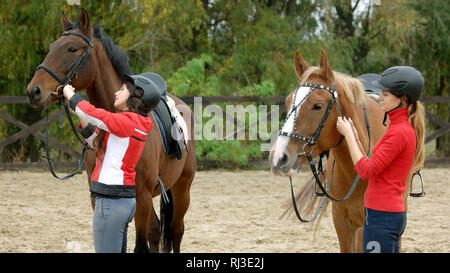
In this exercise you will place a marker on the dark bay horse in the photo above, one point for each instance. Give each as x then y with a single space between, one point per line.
311 105
99 74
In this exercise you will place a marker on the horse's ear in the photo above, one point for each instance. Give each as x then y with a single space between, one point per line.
84 21
324 66
299 64
65 22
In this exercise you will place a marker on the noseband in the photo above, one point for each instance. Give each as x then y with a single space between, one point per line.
74 67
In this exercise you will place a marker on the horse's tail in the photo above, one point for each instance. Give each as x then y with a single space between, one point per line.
166 215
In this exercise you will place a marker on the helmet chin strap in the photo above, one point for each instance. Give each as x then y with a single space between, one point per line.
385 114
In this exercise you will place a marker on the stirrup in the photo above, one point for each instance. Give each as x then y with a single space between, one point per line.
417 194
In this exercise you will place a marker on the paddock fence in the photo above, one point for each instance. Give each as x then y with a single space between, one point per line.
34 129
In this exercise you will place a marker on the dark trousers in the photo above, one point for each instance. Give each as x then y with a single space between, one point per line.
382 231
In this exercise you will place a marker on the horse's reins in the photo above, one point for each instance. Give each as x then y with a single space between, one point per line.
312 141
73 68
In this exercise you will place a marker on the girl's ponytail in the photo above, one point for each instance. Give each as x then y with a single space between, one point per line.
416 117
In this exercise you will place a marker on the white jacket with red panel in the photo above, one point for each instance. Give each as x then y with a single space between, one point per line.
125 136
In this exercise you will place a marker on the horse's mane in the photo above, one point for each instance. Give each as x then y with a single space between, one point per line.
118 59
351 87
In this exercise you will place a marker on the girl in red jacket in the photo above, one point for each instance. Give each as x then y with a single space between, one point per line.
394 156
118 140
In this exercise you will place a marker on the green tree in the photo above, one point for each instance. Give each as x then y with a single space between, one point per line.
23 46
227 47
28 28
429 51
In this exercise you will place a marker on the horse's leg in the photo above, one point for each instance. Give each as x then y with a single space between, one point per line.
144 207
181 200
154 232
345 232
358 247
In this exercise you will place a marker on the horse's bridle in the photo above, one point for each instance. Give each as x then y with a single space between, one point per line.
313 140
73 68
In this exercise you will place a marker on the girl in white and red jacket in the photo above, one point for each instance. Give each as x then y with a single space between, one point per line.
118 140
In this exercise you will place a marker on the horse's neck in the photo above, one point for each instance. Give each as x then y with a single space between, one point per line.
356 113
106 83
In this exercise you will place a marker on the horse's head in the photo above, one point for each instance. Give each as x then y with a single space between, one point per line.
68 61
310 125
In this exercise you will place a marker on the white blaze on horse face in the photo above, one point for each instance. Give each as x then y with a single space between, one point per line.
282 141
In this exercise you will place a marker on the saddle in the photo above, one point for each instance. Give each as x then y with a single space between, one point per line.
172 136
169 130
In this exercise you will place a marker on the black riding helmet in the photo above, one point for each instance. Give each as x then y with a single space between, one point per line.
158 80
402 80
151 91
366 80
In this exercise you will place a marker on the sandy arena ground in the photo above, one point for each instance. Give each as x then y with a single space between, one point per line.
229 212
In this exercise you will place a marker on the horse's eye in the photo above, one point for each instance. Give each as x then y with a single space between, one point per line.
317 107
71 49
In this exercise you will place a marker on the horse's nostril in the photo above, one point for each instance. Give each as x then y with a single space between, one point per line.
284 160
36 92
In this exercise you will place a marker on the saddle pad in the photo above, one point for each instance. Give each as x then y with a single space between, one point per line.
178 118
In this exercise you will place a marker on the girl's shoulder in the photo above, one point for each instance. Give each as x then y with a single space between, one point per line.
403 133
402 128
139 121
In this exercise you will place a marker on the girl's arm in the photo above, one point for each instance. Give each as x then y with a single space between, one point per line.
119 125
87 130
83 123
388 149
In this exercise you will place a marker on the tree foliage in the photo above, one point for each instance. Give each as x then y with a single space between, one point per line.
231 47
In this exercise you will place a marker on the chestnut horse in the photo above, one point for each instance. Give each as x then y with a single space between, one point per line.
99 74
320 85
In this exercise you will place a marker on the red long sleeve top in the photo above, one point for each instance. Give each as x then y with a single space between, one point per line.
125 136
389 165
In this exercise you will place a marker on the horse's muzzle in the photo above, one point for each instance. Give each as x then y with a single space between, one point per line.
35 97
280 165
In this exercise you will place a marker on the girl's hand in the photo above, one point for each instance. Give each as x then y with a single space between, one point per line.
344 126
68 91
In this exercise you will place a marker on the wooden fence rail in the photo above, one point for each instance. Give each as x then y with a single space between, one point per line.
206 100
